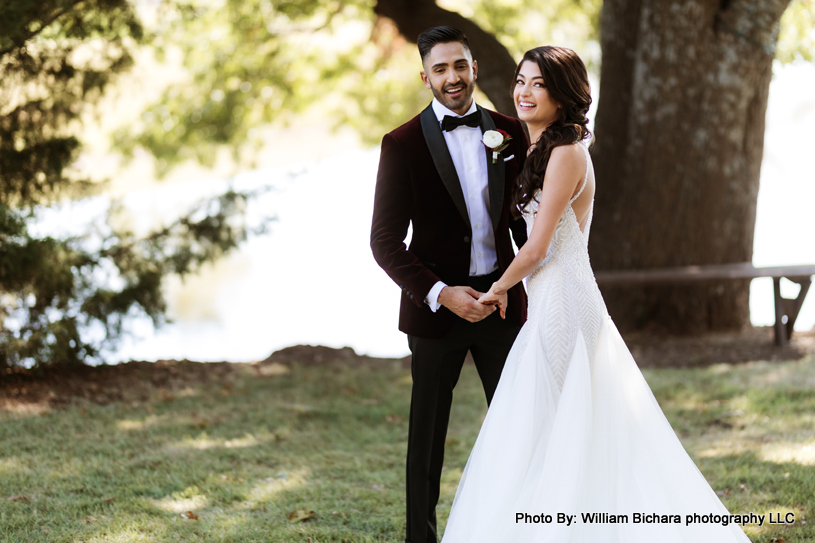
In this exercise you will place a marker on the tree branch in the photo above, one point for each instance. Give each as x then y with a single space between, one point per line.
44 23
496 66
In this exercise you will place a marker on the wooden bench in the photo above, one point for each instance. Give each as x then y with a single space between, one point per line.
786 309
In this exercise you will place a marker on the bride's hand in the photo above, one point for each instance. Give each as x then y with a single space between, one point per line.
491 298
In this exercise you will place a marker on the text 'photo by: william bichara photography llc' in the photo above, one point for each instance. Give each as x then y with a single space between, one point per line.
756 519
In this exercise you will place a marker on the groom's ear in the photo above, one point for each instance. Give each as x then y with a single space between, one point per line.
475 70
424 79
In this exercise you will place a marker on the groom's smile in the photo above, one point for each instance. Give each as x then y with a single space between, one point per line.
455 91
450 72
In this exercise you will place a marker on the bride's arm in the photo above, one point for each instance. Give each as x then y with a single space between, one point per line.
564 172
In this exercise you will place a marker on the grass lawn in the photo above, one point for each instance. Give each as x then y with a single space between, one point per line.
316 453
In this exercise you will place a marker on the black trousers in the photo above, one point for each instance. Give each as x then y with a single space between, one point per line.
436 365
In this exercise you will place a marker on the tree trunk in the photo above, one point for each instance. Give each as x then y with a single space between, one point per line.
680 137
496 66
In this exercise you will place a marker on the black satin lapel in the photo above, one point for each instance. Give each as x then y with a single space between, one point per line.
495 172
443 161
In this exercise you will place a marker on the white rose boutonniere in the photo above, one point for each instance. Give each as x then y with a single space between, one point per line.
496 141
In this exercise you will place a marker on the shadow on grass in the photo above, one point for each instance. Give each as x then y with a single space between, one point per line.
746 483
244 457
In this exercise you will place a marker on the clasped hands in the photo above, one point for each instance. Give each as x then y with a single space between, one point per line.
471 305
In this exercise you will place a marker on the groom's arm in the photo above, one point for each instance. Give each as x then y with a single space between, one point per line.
392 208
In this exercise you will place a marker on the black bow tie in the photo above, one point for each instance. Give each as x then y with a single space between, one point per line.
473 120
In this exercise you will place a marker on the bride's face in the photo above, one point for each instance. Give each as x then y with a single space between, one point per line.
532 100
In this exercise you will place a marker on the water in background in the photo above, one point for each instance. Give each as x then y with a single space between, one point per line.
312 280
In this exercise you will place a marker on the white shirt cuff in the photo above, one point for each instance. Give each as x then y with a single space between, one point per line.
432 298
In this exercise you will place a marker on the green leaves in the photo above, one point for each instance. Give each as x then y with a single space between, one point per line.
250 63
796 40
245 65
58 291
64 300
52 68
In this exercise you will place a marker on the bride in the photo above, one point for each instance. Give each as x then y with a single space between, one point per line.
574 447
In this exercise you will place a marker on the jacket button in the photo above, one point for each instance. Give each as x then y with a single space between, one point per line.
466 239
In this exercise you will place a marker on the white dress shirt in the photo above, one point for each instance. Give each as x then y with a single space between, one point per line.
470 161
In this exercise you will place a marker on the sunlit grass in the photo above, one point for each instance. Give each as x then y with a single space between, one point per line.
233 463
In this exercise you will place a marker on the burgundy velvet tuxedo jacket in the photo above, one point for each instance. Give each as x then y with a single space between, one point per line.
417 182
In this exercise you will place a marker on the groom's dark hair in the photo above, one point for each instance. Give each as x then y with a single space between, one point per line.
440 34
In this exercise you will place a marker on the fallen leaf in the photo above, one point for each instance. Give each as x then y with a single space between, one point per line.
19 497
301 515
89 519
301 409
192 516
274 368
108 499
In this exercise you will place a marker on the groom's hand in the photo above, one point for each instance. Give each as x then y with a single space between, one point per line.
463 301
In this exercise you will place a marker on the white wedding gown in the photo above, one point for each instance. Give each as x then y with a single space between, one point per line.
573 427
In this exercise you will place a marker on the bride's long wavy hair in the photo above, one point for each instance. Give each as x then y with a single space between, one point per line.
567 81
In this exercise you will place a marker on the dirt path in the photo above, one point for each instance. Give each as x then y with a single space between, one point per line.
140 381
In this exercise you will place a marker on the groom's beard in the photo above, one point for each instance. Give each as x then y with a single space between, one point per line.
454 103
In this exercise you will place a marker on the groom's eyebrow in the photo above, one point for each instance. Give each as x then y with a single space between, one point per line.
442 64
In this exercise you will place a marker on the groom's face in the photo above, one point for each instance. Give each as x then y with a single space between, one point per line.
450 72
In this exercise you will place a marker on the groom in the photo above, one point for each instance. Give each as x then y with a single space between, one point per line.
435 172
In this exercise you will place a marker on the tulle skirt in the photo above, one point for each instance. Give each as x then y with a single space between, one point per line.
595 462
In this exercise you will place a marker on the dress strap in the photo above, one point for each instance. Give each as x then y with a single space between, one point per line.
585 176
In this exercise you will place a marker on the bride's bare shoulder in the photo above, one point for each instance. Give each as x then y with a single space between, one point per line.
569 153
568 158
573 150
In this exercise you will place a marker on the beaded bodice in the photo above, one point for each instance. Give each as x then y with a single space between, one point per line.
563 294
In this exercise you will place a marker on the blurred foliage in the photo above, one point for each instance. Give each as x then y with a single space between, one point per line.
796 41
249 63
54 57
523 24
246 62
64 299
